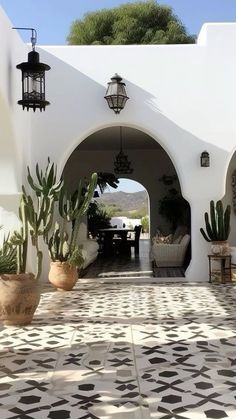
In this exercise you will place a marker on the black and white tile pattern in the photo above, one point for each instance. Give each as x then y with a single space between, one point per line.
123 351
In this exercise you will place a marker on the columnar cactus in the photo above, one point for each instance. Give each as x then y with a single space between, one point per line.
59 249
63 246
218 225
73 208
47 190
36 215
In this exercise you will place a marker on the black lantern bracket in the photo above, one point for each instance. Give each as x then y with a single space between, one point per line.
33 78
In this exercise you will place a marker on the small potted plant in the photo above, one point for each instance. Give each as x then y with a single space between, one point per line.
19 290
217 228
64 249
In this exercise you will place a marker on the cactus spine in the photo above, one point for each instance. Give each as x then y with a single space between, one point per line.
218 224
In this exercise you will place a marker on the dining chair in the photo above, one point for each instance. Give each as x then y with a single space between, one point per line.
135 242
124 246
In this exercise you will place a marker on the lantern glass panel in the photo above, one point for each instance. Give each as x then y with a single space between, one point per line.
34 86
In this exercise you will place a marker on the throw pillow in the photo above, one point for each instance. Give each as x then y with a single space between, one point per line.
163 239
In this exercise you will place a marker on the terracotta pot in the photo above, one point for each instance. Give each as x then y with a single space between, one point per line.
220 248
19 298
62 275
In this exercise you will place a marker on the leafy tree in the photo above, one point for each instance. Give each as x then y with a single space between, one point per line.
132 23
138 213
145 224
107 179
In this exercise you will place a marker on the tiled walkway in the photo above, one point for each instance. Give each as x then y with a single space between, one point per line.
124 351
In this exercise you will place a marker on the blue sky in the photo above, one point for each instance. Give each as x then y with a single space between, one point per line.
52 20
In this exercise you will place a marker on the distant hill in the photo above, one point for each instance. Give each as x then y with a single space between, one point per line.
125 201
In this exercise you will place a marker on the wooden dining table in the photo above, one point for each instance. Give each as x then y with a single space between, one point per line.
106 236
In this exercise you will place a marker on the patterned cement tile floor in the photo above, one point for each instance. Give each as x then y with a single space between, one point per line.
123 351
117 266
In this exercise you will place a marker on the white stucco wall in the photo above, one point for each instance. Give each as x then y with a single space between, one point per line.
183 96
15 125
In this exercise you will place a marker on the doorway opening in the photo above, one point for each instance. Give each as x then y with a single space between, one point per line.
152 168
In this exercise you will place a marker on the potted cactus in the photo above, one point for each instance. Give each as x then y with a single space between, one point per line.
64 249
217 228
20 290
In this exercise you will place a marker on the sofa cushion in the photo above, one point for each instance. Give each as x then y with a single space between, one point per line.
185 240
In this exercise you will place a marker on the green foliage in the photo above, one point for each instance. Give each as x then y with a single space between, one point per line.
175 209
132 23
19 239
107 179
140 213
98 218
218 223
7 258
145 224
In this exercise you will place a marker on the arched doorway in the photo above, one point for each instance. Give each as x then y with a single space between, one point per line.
152 167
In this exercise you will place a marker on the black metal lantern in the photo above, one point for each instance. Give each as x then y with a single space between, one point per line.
205 159
33 79
121 163
116 96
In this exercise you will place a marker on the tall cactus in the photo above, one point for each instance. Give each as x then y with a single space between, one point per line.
36 215
47 190
73 208
218 224
63 246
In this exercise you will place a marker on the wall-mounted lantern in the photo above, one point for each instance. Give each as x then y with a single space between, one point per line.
205 159
33 78
116 96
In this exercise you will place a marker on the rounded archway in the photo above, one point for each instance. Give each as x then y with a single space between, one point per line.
152 168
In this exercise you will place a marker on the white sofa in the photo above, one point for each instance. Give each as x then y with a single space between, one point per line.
89 246
167 255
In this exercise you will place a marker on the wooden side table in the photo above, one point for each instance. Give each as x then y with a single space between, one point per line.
221 272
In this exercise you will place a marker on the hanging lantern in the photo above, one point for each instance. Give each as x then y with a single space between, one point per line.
116 96
122 165
33 79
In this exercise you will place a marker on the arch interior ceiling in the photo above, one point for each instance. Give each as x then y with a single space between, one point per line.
109 139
